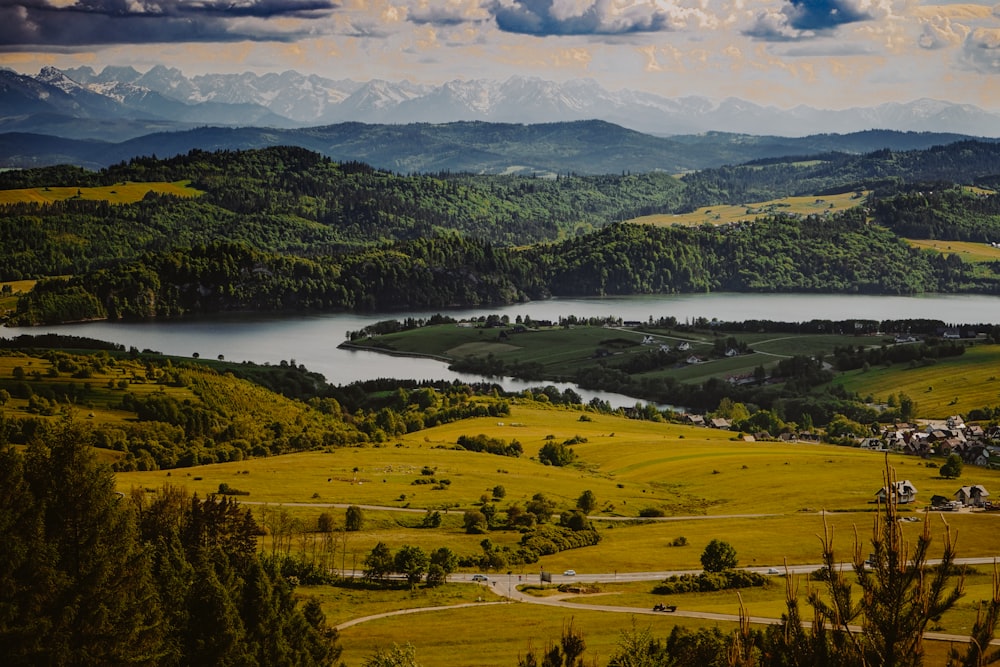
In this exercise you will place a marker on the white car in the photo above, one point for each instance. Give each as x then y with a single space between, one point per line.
569 573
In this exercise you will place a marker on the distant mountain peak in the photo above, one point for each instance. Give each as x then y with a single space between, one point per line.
292 99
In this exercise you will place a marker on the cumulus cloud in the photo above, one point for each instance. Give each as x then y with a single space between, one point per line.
796 20
589 17
941 32
981 50
98 22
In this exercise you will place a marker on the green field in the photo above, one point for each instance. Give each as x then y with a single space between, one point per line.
711 485
120 193
951 386
562 352
725 214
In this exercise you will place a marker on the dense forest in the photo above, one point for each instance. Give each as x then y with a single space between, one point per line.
283 229
151 579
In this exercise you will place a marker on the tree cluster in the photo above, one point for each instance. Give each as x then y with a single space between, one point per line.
89 576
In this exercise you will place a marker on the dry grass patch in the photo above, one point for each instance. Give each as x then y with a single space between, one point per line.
724 214
968 251
121 193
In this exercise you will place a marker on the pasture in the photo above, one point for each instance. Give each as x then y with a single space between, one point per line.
120 193
728 214
766 499
562 352
967 250
951 386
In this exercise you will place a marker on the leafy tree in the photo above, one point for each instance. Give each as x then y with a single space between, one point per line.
499 492
556 454
443 561
541 507
412 562
379 563
475 522
718 556
952 467
354 518
394 656
587 501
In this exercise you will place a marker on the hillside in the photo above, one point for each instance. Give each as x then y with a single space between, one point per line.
579 147
285 229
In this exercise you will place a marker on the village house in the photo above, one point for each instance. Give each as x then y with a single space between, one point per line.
972 496
903 490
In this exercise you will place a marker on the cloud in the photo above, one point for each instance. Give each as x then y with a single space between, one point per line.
584 17
940 33
797 20
981 50
49 23
445 13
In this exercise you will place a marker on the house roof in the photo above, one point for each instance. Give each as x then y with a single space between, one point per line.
903 487
973 490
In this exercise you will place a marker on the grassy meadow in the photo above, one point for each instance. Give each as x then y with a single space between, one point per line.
726 214
120 193
967 250
950 386
766 499
562 352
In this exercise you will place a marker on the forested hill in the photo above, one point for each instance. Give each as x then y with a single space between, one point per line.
885 171
584 147
287 229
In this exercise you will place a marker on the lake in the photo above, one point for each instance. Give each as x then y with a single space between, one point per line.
312 340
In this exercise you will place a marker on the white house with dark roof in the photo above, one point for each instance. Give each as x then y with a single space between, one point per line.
903 491
972 496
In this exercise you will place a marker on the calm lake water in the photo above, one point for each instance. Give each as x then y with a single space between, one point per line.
312 339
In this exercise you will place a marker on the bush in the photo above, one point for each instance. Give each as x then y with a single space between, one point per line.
710 581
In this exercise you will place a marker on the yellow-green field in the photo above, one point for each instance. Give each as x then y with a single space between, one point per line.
951 386
763 498
723 214
968 251
121 193
8 300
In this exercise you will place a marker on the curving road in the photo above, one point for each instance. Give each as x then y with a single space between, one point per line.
505 586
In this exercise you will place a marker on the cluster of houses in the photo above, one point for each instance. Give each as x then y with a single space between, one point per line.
972 496
940 438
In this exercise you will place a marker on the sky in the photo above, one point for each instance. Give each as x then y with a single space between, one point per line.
829 54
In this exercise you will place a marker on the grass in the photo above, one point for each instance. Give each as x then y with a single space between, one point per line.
967 250
727 214
495 635
120 193
562 352
630 465
951 386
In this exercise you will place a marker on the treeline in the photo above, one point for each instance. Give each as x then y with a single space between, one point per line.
292 201
941 211
90 577
842 253
884 171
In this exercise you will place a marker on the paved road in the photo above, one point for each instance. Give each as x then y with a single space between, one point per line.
505 586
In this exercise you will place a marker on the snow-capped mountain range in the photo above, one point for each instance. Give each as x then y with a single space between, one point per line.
81 103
